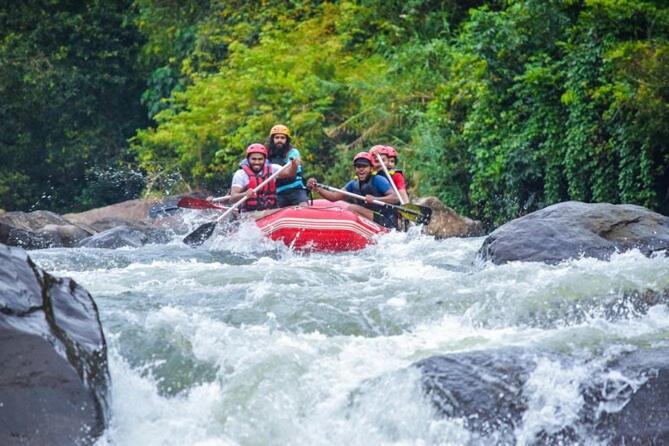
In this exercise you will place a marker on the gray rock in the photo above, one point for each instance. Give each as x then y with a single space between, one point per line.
54 376
643 418
119 236
38 230
482 388
127 211
574 229
486 390
32 221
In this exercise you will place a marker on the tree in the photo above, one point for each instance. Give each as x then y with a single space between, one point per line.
70 90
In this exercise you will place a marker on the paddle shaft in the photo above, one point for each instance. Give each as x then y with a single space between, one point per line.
361 197
256 189
223 198
390 178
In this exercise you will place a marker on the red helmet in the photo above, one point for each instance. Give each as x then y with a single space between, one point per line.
389 151
364 155
256 148
376 149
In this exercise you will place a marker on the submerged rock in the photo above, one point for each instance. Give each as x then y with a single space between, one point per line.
124 235
574 229
54 376
445 222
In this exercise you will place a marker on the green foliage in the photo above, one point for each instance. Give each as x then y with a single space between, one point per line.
497 107
297 74
548 101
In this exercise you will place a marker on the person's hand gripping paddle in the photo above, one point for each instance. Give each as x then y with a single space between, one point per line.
413 212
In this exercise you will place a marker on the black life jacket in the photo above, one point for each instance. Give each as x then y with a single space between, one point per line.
265 197
367 188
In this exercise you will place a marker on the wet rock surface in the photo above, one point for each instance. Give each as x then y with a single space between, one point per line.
54 376
639 382
124 235
574 229
124 224
39 229
483 388
623 401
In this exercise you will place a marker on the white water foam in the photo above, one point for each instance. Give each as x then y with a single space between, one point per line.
246 342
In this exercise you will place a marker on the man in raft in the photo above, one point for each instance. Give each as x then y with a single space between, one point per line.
253 171
372 187
290 191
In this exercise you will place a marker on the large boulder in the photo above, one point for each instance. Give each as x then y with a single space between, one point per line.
33 221
639 386
39 229
484 389
54 376
573 229
138 214
127 212
622 402
445 222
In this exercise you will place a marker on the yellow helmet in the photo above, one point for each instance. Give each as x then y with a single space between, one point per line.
279 128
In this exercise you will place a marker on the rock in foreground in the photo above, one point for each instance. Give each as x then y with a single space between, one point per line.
54 376
622 401
574 229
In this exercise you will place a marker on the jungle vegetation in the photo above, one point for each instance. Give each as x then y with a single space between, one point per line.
497 107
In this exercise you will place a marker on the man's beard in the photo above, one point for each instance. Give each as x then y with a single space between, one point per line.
277 149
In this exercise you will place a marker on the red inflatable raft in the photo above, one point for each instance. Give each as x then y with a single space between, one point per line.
323 226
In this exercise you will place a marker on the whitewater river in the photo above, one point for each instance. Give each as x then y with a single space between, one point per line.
244 342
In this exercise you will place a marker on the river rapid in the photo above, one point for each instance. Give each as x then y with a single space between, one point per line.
245 342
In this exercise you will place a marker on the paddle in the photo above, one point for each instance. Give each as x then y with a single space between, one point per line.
197 237
390 179
412 212
200 203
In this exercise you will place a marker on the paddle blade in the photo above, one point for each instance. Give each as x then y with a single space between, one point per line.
420 215
425 213
200 235
162 210
197 203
